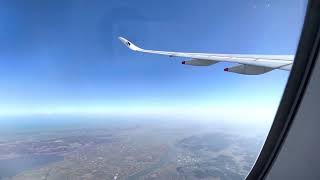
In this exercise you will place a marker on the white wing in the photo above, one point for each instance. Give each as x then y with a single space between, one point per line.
250 64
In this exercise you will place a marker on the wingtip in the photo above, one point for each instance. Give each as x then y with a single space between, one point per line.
129 44
123 40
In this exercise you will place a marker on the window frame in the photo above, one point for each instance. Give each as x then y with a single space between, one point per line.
305 59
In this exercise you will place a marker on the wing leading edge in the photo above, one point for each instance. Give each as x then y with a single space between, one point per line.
250 64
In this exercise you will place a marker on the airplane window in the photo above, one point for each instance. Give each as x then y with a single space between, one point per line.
191 97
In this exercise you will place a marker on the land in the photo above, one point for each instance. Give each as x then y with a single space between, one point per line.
131 151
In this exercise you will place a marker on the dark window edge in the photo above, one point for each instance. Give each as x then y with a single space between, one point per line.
299 77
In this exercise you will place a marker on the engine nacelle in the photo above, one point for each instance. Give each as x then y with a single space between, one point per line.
248 69
198 62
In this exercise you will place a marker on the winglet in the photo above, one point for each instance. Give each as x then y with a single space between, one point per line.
129 44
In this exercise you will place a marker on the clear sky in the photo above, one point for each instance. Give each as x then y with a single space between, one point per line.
64 56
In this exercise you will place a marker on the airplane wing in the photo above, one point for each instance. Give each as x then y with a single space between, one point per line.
249 64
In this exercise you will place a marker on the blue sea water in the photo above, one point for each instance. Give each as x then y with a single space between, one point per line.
11 167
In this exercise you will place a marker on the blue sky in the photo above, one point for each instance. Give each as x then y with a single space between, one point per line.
64 56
